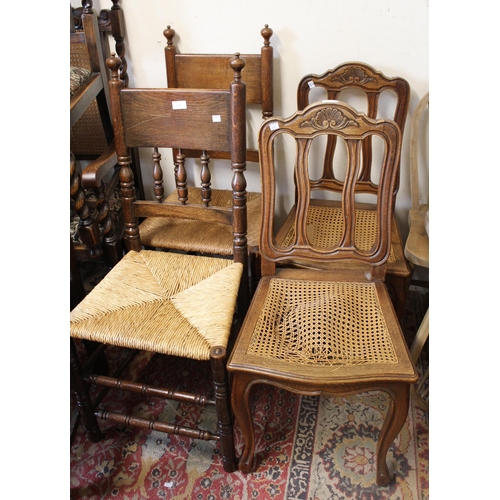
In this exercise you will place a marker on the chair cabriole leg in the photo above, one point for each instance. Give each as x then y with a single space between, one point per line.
240 403
394 421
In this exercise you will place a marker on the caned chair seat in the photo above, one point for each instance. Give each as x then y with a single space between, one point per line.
320 329
191 235
169 303
325 226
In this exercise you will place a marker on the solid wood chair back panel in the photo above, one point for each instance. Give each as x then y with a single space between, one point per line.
341 120
211 71
158 118
177 119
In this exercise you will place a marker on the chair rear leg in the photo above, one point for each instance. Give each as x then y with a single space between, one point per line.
81 390
223 408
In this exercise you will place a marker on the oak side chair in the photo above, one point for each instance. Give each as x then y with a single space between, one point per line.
417 244
210 71
168 302
331 332
365 80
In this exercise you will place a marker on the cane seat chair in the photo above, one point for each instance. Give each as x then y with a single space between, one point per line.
358 79
210 71
319 332
417 243
169 302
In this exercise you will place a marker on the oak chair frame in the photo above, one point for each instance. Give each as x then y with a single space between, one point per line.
144 118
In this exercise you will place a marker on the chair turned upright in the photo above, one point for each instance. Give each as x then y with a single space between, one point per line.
168 302
330 332
417 243
360 80
210 71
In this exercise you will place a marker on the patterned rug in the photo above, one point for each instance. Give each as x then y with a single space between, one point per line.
311 448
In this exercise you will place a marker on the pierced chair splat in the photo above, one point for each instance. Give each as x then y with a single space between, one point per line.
355 80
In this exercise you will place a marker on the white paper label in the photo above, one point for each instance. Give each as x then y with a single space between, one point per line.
179 105
311 84
274 125
216 118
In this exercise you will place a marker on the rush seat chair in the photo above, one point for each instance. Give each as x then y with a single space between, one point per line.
163 302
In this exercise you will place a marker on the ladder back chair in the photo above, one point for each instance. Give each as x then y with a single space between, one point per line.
169 302
210 71
330 332
365 80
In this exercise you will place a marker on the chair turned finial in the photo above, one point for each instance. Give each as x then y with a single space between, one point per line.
169 34
237 63
113 62
266 33
87 6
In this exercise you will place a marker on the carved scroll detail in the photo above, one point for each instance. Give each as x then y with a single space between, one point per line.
329 119
353 75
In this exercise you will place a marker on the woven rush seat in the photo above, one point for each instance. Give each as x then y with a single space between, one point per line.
197 236
161 302
310 323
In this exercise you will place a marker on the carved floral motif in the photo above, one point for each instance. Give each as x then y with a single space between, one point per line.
328 118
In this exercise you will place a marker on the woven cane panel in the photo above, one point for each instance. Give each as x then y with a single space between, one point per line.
200 236
87 135
322 323
325 226
162 302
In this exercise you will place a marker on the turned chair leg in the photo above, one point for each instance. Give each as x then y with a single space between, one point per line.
223 408
394 421
240 399
81 390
